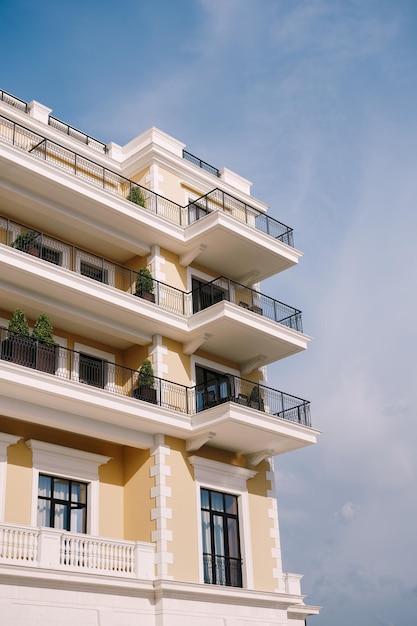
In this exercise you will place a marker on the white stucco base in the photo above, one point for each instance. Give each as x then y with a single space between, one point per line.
53 598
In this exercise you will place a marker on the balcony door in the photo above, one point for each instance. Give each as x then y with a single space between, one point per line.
221 543
212 387
205 294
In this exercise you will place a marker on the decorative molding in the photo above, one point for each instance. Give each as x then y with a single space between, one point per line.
274 531
218 474
188 257
68 463
158 351
191 346
161 514
155 260
254 459
197 442
248 366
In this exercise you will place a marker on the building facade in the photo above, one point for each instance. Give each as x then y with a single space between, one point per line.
136 444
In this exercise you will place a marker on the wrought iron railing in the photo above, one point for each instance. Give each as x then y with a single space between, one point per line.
95 174
201 164
123 278
223 288
76 134
222 570
230 388
13 101
102 374
218 200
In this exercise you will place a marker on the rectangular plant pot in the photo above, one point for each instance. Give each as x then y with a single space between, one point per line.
146 295
147 394
46 357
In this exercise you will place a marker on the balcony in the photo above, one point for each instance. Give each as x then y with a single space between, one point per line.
219 314
79 367
218 230
47 548
70 390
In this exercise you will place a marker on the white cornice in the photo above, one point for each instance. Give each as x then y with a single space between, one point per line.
66 461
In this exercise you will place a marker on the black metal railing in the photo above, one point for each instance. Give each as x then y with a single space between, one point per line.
223 288
83 368
100 176
230 388
123 278
222 570
218 200
76 134
13 101
201 164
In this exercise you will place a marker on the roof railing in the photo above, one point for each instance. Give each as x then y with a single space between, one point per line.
13 101
107 179
76 134
202 164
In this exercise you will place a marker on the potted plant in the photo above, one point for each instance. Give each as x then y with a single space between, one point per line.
144 387
137 195
144 285
18 346
45 346
27 242
255 399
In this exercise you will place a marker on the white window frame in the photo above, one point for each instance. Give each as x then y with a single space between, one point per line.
99 354
96 262
61 462
58 247
231 479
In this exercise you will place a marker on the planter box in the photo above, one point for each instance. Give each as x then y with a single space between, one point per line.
146 295
147 394
46 357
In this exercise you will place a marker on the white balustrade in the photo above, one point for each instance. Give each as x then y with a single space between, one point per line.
55 549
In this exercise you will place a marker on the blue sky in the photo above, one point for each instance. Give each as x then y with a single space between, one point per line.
315 102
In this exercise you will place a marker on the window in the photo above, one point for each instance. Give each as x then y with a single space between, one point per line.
212 388
94 272
223 522
65 482
206 294
222 562
92 371
62 504
95 268
94 367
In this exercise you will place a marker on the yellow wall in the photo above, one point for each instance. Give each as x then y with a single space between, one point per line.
138 503
261 524
175 274
19 481
170 186
185 517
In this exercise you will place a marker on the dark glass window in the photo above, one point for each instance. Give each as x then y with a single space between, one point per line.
62 503
50 255
212 388
94 271
92 371
205 294
221 542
